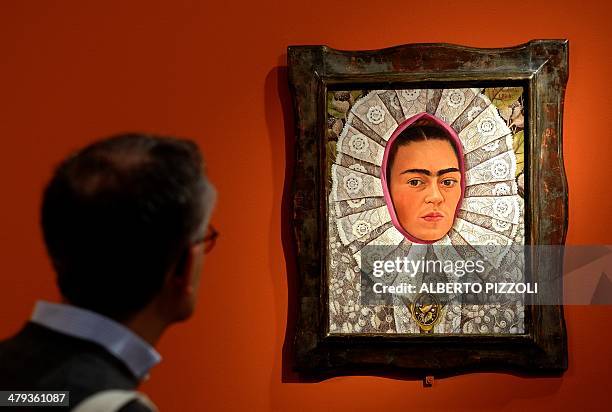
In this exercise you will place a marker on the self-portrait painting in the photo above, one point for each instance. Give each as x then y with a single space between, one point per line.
427 179
414 167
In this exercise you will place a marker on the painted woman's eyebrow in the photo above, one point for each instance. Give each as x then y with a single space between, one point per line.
421 171
449 170
428 173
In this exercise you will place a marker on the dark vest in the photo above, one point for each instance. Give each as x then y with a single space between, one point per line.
38 358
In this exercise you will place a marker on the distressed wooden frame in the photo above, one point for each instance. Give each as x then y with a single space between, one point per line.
542 67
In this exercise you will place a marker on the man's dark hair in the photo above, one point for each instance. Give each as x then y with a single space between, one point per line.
118 215
417 132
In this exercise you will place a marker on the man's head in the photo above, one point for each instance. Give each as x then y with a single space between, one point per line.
424 180
123 219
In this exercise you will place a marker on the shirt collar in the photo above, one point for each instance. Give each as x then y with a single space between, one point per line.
70 320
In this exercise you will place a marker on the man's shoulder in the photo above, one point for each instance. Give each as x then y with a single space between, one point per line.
38 358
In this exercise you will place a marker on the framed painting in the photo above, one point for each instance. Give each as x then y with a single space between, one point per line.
429 180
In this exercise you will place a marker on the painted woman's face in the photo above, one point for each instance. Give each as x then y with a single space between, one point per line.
425 188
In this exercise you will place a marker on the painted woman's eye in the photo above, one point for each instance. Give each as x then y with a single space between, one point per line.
449 182
415 182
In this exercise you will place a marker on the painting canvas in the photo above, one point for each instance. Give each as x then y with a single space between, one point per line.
478 202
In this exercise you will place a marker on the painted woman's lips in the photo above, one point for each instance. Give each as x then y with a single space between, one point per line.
433 217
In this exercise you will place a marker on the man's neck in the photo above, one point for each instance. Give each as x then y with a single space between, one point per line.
144 324
147 326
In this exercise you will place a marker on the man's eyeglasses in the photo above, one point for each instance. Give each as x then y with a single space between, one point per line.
209 239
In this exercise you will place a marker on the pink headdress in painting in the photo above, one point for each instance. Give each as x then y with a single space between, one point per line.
421 119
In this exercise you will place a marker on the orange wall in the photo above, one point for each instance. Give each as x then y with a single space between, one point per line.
72 71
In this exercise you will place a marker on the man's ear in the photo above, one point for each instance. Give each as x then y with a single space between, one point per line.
183 269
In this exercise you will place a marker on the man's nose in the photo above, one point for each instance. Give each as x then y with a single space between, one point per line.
434 195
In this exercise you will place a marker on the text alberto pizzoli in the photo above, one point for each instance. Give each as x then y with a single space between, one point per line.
458 267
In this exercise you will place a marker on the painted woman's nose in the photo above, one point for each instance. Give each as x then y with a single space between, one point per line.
434 195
